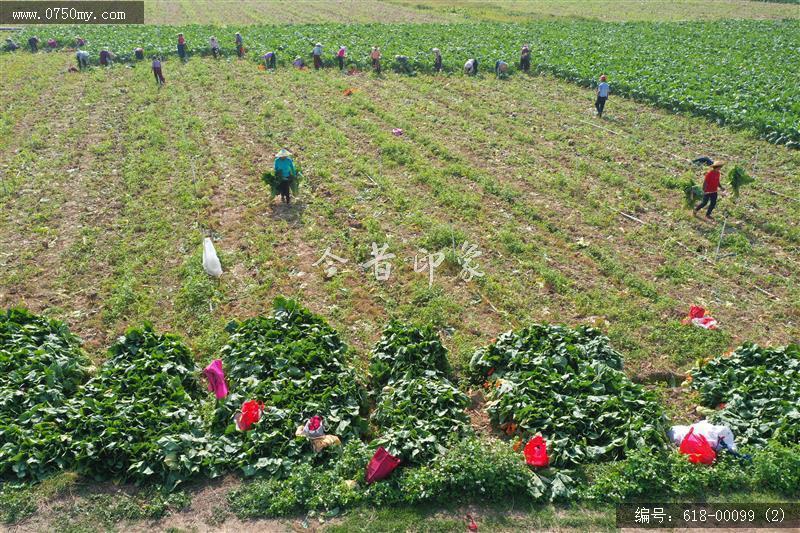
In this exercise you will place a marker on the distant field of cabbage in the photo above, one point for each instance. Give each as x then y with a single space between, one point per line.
742 73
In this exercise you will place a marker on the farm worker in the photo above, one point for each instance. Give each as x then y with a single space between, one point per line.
157 71
402 65
298 62
285 172
214 46
375 55
525 58
269 60
181 46
340 56
602 95
316 53
80 41
239 45
471 67
501 69
106 57
437 60
83 59
52 43
33 43
711 186
139 53
11 45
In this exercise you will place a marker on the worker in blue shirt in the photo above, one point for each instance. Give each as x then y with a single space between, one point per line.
602 95
285 174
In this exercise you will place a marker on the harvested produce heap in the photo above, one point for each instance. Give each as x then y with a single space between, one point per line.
41 366
419 413
298 366
568 385
758 390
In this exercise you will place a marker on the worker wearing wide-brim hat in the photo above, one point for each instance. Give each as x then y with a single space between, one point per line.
285 174
316 53
711 186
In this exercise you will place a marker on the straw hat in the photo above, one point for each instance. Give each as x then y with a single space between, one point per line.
319 44
603 77
717 164
435 50
283 152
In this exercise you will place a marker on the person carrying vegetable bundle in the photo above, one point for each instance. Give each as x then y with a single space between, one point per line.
602 95
471 67
157 71
437 60
525 58
340 56
182 46
711 186
33 44
214 44
83 59
375 55
285 174
316 53
239 45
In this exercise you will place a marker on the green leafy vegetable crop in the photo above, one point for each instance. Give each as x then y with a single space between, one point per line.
567 385
758 390
298 366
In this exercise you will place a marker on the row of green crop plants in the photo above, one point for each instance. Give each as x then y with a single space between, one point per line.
739 72
144 415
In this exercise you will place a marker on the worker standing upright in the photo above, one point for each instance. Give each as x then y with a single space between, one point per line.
525 58
213 43
341 55
182 46
239 45
285 174
375 55
711 186
316 53
603 91
159 75
437 60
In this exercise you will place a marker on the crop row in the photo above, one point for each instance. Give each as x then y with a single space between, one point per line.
736 72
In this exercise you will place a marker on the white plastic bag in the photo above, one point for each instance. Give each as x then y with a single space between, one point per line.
211 262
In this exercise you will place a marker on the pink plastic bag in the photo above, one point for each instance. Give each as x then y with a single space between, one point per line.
216 379
397 132
381 465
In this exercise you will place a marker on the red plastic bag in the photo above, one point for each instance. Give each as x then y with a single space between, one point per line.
381 465
536 452
696 311
697 448
251 413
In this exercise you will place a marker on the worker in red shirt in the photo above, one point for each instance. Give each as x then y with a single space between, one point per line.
710 187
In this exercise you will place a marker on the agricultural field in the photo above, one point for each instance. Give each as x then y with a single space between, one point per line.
566 248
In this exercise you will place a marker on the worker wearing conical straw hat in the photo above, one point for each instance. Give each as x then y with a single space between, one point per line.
285 174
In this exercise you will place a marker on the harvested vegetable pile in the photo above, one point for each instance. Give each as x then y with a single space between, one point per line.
738 178
138 418
296 364
758 390
567 384
419 412
41 366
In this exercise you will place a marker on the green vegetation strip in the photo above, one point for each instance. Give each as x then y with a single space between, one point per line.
673 65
